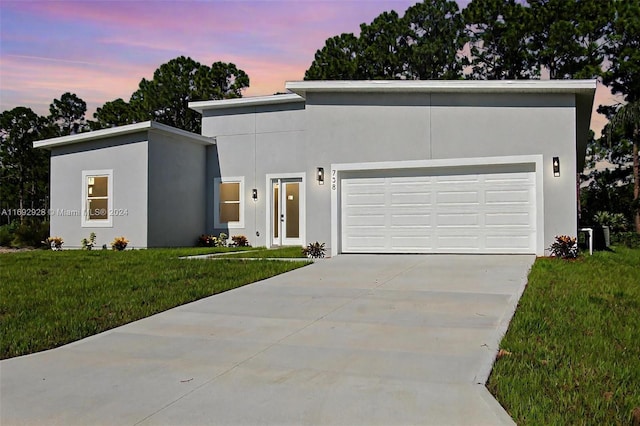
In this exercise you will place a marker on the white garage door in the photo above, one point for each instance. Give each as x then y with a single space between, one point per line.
452 213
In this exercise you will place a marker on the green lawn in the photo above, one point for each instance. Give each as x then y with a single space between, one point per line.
261 252
574 343
48 298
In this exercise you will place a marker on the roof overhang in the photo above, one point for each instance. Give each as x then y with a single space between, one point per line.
202 106
443 86
150 126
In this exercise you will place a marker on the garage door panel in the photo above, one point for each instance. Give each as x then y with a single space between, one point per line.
512 243
412 243
507 196
364 199
411 198
412 220
465 213
459 242
510 220
458 219
411 184
456 179
508 179
367 243
360 221
457 197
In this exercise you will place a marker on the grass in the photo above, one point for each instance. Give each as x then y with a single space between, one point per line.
261 252
48 299
574 343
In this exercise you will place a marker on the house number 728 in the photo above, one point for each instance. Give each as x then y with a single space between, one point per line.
334 180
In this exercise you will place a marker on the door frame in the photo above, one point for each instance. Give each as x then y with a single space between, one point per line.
303 205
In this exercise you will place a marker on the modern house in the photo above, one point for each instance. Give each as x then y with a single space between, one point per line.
364 166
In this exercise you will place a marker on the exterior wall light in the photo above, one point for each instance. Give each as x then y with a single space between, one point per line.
254 194
320 175
556 166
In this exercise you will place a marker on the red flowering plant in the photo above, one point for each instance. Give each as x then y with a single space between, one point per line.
564 247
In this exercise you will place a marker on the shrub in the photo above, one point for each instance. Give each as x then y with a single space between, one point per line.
6 235
30 234
87 244
54 242
314 250
212 241
615 221
240 241
627 239
119 243
205 240
565 247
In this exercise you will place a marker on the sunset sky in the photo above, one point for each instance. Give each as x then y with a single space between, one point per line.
100 50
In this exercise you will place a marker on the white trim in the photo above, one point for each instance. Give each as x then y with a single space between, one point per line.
303 204
202 106
337 169
123 130
444 86
216 202
97 223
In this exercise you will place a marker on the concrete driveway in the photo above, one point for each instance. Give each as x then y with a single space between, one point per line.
357 339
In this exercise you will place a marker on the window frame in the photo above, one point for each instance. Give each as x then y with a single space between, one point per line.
97 223
216 202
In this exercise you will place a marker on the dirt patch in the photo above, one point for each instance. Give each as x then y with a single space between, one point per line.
14 250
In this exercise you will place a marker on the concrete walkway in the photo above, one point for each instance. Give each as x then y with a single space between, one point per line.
370 340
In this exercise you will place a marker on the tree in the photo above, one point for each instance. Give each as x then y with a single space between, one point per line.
24 175
424 44
113 113
182 80
222 81
567 36
381 48
499 36
436 36
68 114
627 118
609 189
623 51
338 60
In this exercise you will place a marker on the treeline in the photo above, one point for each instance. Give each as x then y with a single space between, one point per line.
492 40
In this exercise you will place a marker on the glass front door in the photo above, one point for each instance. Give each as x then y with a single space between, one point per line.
285 212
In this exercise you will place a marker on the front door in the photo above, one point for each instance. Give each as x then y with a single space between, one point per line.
286 198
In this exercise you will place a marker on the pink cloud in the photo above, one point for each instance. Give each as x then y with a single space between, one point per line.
35 82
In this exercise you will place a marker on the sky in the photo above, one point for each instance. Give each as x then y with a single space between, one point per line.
100 50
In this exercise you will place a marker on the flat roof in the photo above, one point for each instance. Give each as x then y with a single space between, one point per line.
243 102
444 86
122 130
300 89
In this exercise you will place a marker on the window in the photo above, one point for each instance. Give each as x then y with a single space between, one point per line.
97 198
229 202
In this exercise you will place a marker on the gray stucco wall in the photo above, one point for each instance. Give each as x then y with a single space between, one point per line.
367 127
251 143
127 157
177 194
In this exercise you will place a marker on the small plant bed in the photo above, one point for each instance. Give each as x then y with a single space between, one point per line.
572 354
50 298
278 253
